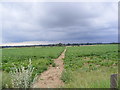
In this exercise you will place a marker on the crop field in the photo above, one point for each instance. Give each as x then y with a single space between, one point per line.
84 66
90 66
41 58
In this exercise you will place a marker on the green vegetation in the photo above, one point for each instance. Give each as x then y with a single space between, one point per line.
90 66
41 58
22 77
6 80
85 66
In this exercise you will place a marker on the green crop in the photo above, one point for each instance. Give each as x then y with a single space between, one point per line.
86 62
41 58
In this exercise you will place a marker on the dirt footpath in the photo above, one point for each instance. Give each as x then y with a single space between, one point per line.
51 77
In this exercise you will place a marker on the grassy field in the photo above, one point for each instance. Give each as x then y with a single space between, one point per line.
90 66
41 58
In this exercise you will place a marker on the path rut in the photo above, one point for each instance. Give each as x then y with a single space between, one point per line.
51 77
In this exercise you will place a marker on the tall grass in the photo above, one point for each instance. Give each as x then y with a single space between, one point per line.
92 79
0 80
0 69
6 80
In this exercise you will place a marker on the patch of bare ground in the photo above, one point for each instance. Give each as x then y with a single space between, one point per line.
51 77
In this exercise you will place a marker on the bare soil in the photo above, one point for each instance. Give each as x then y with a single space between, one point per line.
51 77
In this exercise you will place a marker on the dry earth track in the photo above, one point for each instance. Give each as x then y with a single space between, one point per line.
51 77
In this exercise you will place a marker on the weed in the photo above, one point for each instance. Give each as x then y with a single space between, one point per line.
21 77
53 64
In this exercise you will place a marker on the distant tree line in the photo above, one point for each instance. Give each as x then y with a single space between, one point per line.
59 44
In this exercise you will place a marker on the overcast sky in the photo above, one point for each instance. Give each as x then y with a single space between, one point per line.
59 22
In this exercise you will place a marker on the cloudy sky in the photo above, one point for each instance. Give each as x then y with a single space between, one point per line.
66 22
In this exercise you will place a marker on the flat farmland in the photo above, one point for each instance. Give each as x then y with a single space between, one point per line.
84 66
90 66
41 57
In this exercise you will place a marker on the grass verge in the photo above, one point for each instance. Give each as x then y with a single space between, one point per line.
92 79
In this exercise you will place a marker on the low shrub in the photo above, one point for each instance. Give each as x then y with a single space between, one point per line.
22 77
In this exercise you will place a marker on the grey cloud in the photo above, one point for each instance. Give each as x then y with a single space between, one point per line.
65 22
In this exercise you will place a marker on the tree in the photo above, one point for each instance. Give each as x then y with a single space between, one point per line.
60 44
